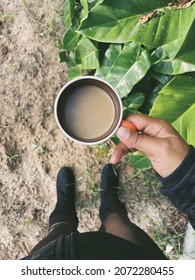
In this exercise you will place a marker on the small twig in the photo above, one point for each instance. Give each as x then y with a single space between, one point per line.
133 176
3 126
114 170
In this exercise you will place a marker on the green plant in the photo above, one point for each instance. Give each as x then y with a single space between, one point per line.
38 148
9 17
12 158
49 110
170 243
145 49
34 70
102 150
27 221
26 5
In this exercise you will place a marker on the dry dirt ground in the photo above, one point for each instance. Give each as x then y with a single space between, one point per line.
32 149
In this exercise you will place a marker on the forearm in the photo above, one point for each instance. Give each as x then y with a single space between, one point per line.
179 187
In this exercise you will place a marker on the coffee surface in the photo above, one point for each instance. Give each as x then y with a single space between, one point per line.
89 112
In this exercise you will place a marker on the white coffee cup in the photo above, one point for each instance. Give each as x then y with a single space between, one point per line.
69 89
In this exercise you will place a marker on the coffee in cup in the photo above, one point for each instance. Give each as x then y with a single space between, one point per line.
88 110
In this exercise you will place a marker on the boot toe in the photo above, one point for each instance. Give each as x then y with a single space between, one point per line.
65 177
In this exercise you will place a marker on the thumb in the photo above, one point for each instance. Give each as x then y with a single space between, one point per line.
136 140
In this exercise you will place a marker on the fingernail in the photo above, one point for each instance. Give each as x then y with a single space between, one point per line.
113 159
123 133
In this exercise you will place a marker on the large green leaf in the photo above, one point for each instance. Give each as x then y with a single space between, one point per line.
178 56
74 72
138 160
123 69
86 54
71 39
85 10
159 81
74 68
166 26
161 78
185 125
176 104
94 2
134 100
62 56
123 21
111 56
69 6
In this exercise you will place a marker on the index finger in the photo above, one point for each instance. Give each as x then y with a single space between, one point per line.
149 125
119 152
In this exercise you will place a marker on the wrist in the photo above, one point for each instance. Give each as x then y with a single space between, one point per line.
179 172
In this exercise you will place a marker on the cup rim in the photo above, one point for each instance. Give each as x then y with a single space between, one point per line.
69 136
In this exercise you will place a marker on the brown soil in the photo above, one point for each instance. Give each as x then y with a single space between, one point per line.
32 149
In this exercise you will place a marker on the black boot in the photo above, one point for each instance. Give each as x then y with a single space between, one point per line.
109 185
65 206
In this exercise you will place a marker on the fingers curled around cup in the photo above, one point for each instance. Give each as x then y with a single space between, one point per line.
132 150
123 133
129 125
129 138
